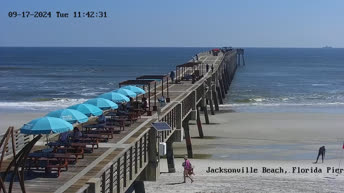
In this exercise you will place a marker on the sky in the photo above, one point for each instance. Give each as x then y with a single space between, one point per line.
176 23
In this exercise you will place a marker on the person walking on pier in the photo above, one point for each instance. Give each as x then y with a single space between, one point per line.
188 170
172 75
322 153
212 68
207 67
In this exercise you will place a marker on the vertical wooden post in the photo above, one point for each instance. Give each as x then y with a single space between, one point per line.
111 178
219 95
199 123
125 170
139 187
149 101
104 181
243 59
155 108
170 155
131 164
141 158
205 110
118 175
187 136
215 97
136 157
152 171
162 87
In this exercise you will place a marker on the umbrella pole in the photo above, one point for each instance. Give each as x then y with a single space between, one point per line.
47 139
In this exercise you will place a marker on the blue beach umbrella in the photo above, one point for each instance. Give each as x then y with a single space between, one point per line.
46 125
102 103
125 92
69 115
115 97
87 109
135 89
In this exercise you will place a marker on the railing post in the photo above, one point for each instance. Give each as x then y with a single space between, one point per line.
141 152
125 170
136 157
119 175
111 178
94 185
131 164
104 182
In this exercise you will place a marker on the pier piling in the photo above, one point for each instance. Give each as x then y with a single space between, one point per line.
170 155
187 136
199 123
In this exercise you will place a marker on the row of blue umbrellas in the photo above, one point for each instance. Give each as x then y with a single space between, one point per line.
60 121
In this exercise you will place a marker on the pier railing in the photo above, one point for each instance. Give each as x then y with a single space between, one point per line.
170 118
119 174
187 104
199 92
20 141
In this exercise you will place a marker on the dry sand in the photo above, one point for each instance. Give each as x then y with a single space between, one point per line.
17 119
257 140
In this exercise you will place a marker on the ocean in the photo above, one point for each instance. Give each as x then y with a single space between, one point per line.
289 80
273 80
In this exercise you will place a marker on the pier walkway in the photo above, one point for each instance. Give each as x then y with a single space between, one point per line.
131 157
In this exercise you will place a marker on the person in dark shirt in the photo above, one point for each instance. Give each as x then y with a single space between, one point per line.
322 153
172 75
207 67
76 134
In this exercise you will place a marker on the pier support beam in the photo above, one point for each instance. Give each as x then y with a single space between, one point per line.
199 123
139 187
152 170
225 86
219 95
187 136
211 105
205 110
170 155
215 98
222 90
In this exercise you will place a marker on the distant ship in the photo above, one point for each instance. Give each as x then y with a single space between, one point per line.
327 47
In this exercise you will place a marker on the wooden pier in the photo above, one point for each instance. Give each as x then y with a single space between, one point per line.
131 157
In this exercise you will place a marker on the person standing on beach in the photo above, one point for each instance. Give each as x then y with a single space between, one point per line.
322 153
188 170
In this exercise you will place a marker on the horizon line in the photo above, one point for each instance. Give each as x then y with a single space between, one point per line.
160 47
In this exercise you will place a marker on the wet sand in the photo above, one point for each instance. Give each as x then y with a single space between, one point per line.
257 140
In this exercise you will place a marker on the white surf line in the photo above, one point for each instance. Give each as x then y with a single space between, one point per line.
83 172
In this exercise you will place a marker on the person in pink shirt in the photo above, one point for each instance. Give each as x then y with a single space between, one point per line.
188 170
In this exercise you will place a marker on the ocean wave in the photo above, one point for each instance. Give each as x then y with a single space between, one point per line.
42 104
249 100
281 104
320 84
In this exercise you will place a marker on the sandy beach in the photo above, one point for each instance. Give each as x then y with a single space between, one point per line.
17 119
278 141
239 146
